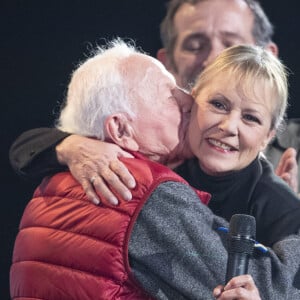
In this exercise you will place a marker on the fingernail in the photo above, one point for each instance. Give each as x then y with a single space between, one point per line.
127 196
131 184
96 201
113 200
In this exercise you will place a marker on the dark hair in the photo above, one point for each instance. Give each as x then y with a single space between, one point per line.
262 30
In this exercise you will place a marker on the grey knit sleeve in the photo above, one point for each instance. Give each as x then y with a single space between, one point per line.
176 252
170 243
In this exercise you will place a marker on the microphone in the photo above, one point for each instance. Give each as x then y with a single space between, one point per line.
241 239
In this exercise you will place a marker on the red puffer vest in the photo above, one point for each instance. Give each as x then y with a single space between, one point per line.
68 248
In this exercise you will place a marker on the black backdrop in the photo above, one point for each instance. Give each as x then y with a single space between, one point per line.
42 41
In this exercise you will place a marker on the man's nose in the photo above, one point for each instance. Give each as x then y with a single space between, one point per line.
215 49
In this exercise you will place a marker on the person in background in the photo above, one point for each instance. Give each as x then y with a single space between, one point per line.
69 249
193 32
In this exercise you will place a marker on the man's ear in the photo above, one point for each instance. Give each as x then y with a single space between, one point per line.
163 57
119 130
273 48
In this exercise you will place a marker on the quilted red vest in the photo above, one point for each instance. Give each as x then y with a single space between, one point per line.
68 248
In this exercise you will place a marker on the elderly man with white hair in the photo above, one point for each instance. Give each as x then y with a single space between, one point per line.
67 248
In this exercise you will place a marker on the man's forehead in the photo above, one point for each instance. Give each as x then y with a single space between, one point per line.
143 68
221 11
156 69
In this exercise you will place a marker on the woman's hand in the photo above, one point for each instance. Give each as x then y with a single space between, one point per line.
238 288
95 165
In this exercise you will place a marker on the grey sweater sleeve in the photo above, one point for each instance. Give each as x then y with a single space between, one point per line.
176 252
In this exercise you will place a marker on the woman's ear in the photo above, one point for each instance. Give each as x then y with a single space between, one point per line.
268 139
119 130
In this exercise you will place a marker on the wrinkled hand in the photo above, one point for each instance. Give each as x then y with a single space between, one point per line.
287 168
95 165
238 288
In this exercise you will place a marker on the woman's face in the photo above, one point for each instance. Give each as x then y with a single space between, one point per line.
230 124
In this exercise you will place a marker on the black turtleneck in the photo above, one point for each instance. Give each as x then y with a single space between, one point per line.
255 190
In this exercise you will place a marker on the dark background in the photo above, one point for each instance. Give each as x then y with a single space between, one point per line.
41 43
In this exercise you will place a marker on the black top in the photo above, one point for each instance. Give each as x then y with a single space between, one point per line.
33 155
255 190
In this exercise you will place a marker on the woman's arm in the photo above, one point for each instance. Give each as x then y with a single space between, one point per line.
176 252
33 156
95 164
43 151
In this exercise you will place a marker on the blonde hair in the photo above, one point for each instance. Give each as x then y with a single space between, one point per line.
246 64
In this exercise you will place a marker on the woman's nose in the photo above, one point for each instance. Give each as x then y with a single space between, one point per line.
229 124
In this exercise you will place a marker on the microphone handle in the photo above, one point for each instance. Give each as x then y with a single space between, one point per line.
237 264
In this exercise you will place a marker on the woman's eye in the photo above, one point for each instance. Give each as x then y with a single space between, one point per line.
252 118
218 104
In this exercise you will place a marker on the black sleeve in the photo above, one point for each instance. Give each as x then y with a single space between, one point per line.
275 206
33 155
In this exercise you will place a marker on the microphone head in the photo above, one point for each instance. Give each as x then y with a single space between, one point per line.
243 226
241 240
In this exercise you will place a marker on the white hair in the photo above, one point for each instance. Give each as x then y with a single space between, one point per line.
97 89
